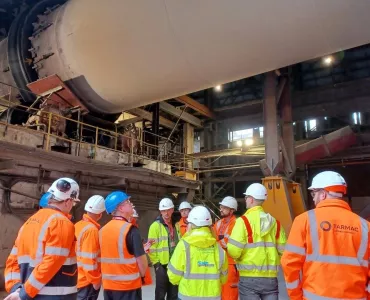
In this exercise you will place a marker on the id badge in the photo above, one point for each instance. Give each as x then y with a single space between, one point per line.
173 244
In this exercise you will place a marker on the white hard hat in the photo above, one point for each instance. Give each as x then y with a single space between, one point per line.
200 216
330 181
185 205
135 214
257 191
166 203
95 204
229 202
64 188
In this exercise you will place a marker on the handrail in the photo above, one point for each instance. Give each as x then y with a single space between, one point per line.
135 148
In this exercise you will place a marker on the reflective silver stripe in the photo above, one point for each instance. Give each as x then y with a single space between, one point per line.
226 235
292 285
34 282
121 277
109 260
254 267
70 261
183 297
221 255
174 270
368 288
49 250
58 290
202 276
160 249
162 238
87 254
295 249
252 245
333 259
87 227
313 296
364 240
224 272
187 259
337 259
24 259
236 243
260 244
88 267
45 226
13 276
14 251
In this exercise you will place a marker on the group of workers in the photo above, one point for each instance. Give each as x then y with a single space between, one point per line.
325 257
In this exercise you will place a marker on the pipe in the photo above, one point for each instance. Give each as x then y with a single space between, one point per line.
116 55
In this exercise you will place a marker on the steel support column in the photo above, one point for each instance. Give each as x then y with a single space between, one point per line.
287 130
155 126
271 134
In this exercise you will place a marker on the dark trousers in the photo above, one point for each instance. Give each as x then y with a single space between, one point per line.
122 295
256 288
163 286
87 293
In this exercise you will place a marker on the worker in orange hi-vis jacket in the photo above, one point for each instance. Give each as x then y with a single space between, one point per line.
223 229
88 249
182 225
327 253
42 263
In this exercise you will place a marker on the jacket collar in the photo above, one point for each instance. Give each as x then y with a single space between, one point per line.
255 209
160 219
334 203
87 218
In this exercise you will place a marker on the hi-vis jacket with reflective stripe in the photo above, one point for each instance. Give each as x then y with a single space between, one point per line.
87 251
119 268
181 227
43 258
159 251
199 266
257 254
327 254
223 229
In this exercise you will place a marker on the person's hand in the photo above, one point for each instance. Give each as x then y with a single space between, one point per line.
13 296
148 244
97 286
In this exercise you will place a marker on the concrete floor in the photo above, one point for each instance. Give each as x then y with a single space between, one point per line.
148 291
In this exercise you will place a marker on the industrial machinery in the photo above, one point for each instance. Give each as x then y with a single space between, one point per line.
103 57
115 55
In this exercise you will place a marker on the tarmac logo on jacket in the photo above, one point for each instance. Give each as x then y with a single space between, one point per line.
327 226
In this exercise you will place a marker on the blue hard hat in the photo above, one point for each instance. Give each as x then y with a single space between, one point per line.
114 199
44 200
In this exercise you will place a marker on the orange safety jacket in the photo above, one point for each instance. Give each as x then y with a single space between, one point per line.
223 229
43 259
181 227
120 271
87 251
327 254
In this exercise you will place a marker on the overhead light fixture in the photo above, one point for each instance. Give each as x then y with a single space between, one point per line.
218 88
328 60
248 142
239 143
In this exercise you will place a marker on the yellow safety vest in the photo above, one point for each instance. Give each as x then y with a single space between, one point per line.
160 251
257 255
199 266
